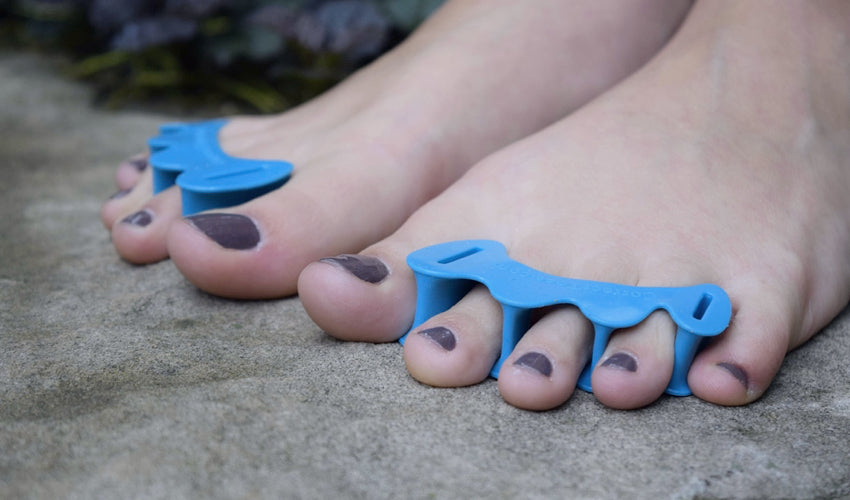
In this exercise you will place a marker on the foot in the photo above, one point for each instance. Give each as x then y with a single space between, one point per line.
474 78
724 160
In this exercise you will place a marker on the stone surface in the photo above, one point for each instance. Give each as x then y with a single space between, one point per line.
125 381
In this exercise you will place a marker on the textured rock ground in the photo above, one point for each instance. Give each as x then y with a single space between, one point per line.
125 381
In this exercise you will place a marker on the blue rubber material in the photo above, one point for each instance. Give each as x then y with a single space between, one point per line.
446 272
189 155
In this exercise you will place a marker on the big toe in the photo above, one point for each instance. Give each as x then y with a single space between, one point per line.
368 297
258 249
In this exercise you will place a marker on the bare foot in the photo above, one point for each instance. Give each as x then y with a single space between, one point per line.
474 78
725 160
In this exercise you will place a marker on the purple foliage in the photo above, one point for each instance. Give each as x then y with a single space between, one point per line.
108 15
280 19
152 31
194 8
355 28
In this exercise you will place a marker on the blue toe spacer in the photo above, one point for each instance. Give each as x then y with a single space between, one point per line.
446 272
188 154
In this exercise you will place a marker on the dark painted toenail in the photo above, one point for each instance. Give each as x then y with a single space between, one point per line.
441 336
141 218
369 269
537 362
120 194
231 231
139 164
622 361
737 372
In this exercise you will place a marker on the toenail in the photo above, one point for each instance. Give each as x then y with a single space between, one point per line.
369 269
737 372
441 336
622 361
120 194
231 231
537 362
139 164
141 218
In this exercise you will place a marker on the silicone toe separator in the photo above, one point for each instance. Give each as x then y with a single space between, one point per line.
189 155
446 272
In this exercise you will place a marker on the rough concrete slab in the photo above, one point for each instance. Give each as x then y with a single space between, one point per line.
123 381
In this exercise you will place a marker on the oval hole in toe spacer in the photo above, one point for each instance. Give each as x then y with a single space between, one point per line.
234 184
189 155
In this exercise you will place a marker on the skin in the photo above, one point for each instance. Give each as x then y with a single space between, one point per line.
724 160
397 133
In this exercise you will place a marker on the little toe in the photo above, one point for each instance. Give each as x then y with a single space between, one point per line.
737 367
458 347
130 170
636 366
542 371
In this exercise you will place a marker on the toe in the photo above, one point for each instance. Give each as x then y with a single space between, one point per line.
369 297
326 209
127 200
542 371
140 236
637 364
351 303
738 366
130 171
458 347
256 250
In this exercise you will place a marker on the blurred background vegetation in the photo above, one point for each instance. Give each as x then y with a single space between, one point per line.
235 55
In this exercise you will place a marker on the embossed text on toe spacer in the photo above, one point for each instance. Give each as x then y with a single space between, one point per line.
444 273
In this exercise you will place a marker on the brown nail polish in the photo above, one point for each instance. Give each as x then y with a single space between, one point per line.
139 164
737 372
621 361
368 269
535 361
231 231
141 218
441 336
120 194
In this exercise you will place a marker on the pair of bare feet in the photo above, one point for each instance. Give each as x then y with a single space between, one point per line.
606 142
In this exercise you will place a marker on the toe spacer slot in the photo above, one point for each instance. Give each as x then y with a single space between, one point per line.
189 155
446 272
